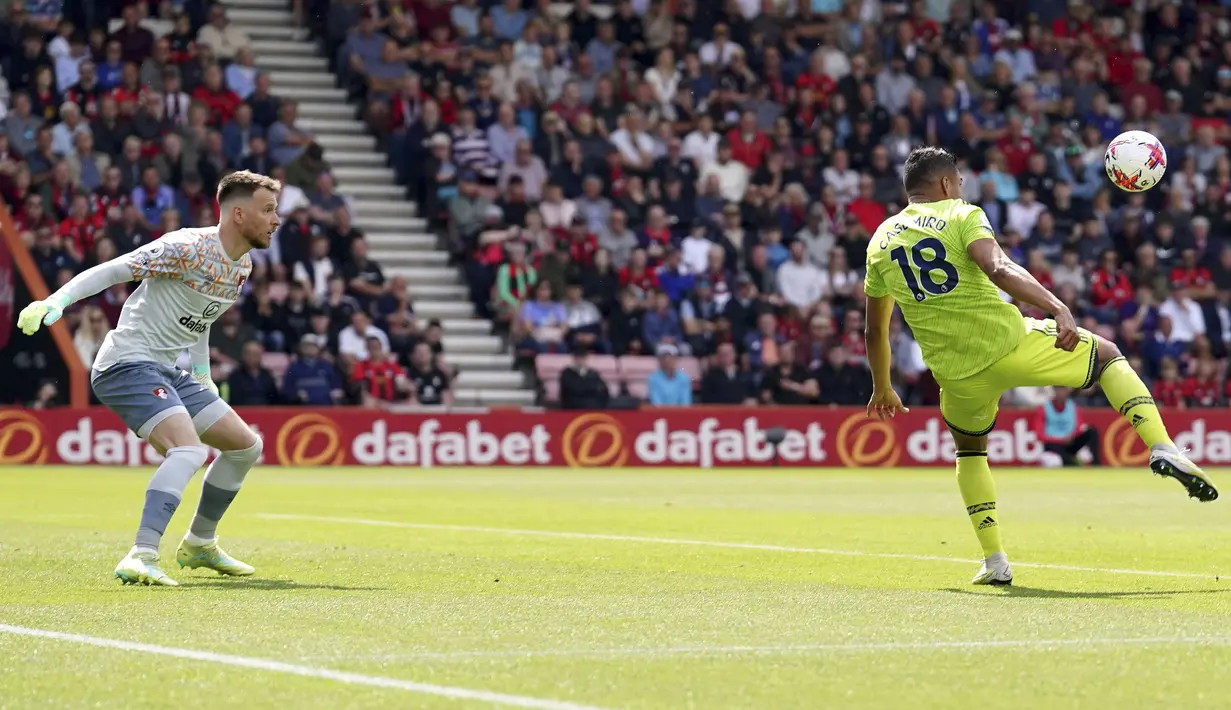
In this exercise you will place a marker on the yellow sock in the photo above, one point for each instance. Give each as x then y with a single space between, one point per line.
974 479
1127 393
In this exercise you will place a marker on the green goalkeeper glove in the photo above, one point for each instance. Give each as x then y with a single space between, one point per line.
200 373
41 313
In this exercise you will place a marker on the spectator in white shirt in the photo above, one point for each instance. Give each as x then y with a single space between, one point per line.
1023 213
557 211
664 78
732 175
317 271
353 339
800 282
225 39
635 145
841 177
701 145
695 248
1187 318
721 48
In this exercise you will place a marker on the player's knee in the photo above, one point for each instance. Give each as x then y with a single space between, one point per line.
1107 351
252 454
194 455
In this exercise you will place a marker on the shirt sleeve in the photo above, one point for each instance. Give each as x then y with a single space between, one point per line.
873 283
976 227
160 260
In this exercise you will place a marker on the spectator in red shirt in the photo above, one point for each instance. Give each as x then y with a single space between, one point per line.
1144 86
582 243
380 379
220 100
638 274
1169 390
1202 388
748 145
1195 277
1109 285
80 229
866 208
1016 146
817 81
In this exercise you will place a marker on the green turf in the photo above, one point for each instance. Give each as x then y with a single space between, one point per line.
627 623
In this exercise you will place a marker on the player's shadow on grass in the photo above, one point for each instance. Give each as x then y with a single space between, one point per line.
272 585
1039 593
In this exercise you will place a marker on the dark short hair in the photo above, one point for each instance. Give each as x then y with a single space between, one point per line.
926 165
243 184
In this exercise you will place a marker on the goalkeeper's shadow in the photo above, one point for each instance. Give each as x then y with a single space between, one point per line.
265 584
1018 591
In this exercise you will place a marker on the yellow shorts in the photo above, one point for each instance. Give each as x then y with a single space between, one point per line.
969 405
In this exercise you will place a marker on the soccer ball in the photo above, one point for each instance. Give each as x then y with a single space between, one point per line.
1135 161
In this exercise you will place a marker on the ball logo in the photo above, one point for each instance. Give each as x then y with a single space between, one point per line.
309 440
594 440
211 310
1122 447
867 442
21 439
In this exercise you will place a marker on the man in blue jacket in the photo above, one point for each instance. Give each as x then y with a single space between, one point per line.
310 379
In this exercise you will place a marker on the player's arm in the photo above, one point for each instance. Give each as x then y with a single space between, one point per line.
94 280
885 403
1021 285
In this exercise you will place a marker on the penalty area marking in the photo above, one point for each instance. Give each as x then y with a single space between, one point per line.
718 543
261 664
650 652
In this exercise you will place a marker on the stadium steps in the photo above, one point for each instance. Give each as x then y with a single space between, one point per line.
399 239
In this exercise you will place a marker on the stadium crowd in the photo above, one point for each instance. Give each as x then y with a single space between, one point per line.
668 178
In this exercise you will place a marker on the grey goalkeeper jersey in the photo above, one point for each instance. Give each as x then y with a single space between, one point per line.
187 281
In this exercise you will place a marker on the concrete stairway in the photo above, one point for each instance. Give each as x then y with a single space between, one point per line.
399 239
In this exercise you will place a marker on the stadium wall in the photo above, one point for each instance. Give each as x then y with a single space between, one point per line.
694 437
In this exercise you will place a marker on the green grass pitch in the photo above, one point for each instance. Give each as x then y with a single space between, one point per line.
628 589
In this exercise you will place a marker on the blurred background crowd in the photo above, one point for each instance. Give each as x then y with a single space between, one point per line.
659 200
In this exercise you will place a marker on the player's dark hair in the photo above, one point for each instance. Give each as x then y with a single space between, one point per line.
926 165
243 184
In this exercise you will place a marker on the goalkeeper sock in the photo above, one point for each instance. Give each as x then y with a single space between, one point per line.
163 494
222 482
974 479
1129 394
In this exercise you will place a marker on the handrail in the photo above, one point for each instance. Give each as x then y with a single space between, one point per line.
78 393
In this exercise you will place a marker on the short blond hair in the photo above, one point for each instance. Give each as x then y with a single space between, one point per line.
243 184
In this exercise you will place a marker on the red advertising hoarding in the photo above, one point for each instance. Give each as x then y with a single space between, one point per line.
699 437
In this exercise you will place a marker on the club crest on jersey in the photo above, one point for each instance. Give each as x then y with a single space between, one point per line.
160 392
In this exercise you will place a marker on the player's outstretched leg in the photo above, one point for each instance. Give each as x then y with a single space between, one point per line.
1132 398
974 479
240 449
184 455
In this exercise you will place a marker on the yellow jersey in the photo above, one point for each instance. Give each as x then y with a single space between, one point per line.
956 313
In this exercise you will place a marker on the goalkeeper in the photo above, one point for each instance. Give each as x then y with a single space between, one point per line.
188 278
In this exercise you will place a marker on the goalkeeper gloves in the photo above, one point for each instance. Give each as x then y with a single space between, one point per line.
40 313
200 373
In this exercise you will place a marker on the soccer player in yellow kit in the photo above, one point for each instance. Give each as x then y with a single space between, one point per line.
938 260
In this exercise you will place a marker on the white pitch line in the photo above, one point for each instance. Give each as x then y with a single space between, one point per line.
788 649
261 664
718 543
